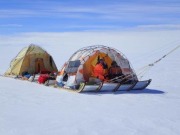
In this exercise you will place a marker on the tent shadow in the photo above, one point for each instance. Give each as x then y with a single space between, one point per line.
144 91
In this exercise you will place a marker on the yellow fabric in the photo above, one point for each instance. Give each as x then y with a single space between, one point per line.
92 61
25 61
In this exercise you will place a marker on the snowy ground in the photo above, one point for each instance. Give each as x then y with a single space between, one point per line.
32 109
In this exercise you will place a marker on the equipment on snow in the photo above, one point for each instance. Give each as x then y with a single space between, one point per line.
84 75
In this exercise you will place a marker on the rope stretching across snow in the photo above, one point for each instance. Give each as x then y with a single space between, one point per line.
143 70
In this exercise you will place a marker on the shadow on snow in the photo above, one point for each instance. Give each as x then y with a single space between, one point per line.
144 91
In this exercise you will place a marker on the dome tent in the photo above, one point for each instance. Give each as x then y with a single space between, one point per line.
32 59
80 65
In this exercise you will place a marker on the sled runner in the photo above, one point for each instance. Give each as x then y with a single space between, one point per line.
113 87
140 85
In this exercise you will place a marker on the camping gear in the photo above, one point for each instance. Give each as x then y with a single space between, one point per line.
43 78
32 59
80 66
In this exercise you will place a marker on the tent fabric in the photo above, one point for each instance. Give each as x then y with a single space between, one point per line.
32 59
86 58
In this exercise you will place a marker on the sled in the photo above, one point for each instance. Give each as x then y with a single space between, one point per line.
140 85
111 87
91 88
99 87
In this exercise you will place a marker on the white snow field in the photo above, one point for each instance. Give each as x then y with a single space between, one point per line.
31 109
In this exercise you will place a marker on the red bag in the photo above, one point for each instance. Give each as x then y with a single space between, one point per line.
43 78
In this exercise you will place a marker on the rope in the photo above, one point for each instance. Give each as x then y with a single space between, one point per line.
121 78
160 49
152 64
147 67
142 71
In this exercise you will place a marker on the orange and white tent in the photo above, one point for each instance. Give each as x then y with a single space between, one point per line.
80 65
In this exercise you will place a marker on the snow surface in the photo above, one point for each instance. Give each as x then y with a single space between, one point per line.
31 109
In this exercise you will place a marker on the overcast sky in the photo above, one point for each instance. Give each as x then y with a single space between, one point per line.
18 16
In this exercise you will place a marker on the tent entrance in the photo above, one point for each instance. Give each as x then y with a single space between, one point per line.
39 65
